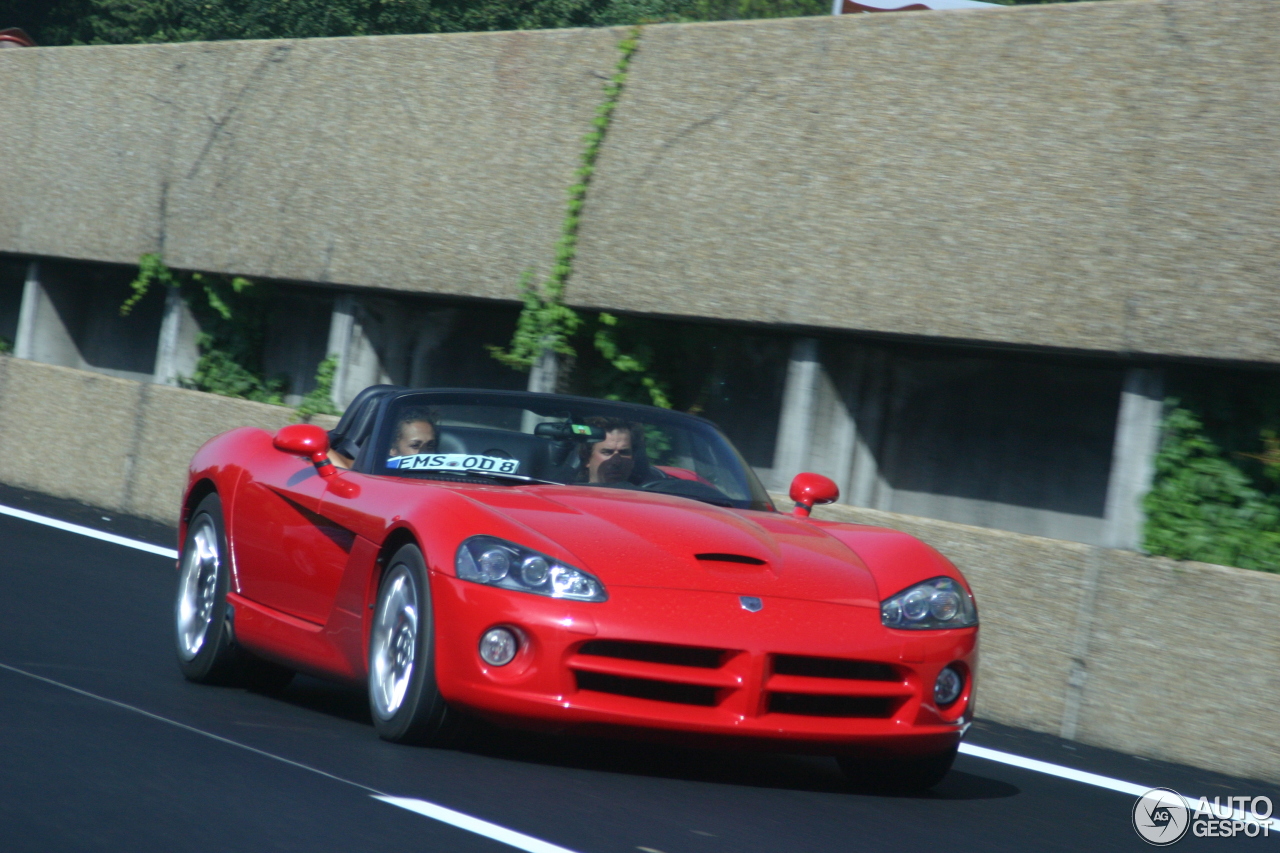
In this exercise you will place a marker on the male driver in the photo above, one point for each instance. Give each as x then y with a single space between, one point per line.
415 433
611 460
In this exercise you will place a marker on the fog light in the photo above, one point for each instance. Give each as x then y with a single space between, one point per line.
498 646
948 686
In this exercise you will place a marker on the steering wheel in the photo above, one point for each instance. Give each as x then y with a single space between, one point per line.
688 489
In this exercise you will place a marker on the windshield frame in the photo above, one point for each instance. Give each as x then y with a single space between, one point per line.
548 405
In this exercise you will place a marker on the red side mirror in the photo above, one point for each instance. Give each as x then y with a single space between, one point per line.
306 440
810 489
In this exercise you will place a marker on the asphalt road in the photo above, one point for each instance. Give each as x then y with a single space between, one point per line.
104 746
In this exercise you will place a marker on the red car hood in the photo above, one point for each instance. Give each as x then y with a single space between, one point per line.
640 539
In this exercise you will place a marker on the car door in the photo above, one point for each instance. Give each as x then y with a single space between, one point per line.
288 557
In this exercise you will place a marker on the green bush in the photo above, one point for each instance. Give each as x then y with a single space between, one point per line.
320 400
1210 500
232 314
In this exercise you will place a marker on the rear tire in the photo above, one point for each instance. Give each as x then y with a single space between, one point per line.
898 775
403 698
206 653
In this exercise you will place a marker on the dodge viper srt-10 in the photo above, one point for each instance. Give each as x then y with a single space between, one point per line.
571 565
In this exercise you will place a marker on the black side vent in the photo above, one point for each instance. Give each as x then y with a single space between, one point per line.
730 558
853 670
644 688
655 653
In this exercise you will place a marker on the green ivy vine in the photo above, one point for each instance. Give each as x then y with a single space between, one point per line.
545 322
231 312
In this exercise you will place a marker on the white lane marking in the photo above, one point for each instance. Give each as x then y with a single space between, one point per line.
474 824
456 819
1087 778
88 531
1053 769
419 805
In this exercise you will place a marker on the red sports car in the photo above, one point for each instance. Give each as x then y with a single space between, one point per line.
575 565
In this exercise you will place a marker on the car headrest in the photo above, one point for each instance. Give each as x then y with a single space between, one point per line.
357 421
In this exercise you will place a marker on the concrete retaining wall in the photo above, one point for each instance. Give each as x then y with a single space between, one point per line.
1159 658
1149 656
1093 176
425 163
113 443
1096 175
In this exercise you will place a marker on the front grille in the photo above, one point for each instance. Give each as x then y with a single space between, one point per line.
655 653
852 670
809 705
737 682
644 688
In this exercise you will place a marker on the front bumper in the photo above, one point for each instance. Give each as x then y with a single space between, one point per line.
797 675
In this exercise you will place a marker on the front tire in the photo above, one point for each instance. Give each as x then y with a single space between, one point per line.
912 775
406 704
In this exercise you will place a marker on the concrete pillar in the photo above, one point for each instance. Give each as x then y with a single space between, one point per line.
834 407
358 363
387 340
431 329
867 486
545 373
1133 457
833 433
892 401
297 332
795 426
544 378
177 351
43 333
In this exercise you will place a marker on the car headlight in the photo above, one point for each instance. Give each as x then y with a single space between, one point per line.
497 562
936 603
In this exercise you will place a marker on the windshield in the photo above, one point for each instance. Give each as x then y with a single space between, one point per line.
517 437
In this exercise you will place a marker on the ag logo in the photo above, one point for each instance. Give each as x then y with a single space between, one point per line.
750 603
1160 816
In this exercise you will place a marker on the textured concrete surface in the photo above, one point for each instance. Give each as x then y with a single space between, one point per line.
427 163
1154 657
1182 660
1096 175
114 443
68 433
172 424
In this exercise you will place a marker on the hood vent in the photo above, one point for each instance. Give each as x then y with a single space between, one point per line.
730 558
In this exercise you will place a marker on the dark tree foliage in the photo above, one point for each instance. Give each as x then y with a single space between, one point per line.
62 22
